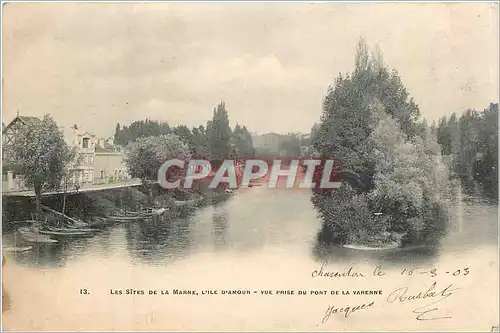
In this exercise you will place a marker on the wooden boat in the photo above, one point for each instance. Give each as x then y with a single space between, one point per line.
25 222
192 202
48 232
54 231
34 237
115 218
65 233
131 216
73 229
159 211
74 223
96 223
17 248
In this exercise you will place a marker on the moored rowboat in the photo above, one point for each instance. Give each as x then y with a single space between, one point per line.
17 248
88 230
35 237
66 233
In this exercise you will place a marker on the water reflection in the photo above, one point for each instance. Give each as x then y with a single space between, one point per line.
219 227
160 241
415 256
254 220
472 222
51 255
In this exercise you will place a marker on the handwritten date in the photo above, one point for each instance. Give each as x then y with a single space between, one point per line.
379 271
433 272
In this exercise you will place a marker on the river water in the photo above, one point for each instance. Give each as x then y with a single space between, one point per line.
260 239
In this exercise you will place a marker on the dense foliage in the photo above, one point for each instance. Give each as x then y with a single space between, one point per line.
471 142
242 142
216 140
370 124
219 134
40 154
137 129
145 155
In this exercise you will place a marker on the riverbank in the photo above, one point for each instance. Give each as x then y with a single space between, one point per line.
94 208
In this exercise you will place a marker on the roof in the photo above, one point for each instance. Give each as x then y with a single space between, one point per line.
87 134
106 147
24 120
29 119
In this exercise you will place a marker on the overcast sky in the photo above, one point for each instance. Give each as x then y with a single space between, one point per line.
98 64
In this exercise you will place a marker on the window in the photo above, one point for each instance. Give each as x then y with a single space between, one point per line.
85 142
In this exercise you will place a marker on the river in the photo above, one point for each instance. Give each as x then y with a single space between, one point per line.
259 239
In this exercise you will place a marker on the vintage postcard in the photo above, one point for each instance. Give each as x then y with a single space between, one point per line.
244 166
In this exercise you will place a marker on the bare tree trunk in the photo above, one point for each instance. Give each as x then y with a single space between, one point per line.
64 195
150 197
38 200
64 203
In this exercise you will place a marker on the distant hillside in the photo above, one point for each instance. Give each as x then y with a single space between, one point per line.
277 144
268 143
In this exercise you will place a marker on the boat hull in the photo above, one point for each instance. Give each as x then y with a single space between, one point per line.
16 249
65 233
33 237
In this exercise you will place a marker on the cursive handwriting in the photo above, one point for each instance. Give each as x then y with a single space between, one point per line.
379 272
433 272
402 295
349 273
347 310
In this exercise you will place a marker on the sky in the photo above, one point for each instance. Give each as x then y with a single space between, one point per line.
96 64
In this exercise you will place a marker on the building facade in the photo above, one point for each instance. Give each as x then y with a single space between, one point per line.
109 166
97 160
82 168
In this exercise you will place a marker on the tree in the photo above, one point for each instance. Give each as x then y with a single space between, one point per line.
388 159
118 137
41 156
242 142
219 134
145 156
471 144
143 128
73 161
410 180
185 134
486 164
200 141
344 130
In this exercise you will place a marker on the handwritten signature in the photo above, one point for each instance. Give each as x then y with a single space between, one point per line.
347 310
402 295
